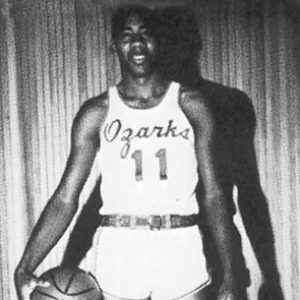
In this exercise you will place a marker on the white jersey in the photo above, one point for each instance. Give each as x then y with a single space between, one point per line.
147 158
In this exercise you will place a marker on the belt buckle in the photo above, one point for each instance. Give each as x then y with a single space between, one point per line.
122 221
155 222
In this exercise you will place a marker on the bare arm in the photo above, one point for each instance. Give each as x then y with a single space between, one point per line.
214 203
62 206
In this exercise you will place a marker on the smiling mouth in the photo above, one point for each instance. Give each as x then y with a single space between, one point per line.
139 59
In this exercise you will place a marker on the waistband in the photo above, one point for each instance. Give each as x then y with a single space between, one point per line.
152 222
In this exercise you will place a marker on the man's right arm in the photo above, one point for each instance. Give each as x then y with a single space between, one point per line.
62 206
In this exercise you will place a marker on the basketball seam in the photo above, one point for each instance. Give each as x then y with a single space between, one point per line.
82 292
70 281
47 295
66 293
54 282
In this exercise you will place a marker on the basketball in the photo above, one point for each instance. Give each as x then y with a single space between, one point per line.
67 284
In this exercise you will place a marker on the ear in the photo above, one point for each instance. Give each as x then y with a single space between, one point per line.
112 47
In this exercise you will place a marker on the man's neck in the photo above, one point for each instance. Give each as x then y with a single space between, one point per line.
142 87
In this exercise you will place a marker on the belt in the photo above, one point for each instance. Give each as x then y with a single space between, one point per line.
152 222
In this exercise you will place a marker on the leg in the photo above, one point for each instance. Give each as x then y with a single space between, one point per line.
121 263
209 293
202 294
106 296
179 265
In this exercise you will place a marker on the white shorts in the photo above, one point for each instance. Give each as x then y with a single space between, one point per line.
141 264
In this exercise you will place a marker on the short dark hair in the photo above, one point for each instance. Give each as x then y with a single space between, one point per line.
121 15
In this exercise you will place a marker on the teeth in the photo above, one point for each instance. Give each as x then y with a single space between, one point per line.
139 57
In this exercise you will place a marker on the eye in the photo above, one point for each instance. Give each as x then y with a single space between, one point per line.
125 35
147 32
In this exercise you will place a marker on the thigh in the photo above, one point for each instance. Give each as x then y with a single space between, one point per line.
202 294
121 264
210 293
180 265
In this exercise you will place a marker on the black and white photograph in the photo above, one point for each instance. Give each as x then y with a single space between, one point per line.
150 149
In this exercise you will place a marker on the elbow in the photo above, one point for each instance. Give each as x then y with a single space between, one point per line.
60 213
63 207
69 207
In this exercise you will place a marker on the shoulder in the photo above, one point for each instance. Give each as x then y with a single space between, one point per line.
94 107
194 104
93 110
91 115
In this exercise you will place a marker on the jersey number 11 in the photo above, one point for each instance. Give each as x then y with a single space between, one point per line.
138 157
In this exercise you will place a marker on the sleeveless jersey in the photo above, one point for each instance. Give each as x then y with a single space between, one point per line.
147 158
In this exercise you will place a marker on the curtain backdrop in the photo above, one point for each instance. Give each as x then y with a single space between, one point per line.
56 53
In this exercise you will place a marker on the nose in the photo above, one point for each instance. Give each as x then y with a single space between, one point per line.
138 41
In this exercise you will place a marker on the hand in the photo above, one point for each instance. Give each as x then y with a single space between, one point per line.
26 283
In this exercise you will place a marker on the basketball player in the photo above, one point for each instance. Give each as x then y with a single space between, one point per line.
155 140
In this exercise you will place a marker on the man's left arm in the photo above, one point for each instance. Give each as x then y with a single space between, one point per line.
214 202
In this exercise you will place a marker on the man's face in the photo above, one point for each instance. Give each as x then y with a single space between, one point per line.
136 47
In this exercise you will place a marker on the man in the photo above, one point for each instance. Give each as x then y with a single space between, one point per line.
235 157
155 139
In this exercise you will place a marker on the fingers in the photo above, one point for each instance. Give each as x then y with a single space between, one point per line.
44 284
29 288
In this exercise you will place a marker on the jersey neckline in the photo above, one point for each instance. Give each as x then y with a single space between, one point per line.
170 89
